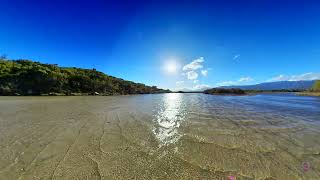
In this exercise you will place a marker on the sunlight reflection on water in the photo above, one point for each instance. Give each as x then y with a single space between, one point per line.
169 116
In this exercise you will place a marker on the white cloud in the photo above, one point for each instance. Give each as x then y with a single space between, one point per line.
300 77
204 73
240 81
245 79
281 77
227 83
200 87
306 76
192 71
192 75
194 65
237 56
179 83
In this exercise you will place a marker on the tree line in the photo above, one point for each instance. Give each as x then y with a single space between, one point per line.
235 91
316 87
26 77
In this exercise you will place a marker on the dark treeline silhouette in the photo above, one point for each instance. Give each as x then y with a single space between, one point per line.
26 77
224 91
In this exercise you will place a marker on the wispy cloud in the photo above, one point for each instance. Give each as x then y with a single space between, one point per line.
226 83
204 73
245 79
200 87
240 81
299 77
179 83
192 75
235 57
281 77
194 65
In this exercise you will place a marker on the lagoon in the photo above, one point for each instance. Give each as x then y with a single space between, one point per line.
160 136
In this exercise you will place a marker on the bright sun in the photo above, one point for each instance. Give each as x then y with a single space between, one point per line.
171 67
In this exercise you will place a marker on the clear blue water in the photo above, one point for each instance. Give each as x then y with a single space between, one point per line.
164 136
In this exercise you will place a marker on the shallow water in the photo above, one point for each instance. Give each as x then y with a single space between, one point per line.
164 136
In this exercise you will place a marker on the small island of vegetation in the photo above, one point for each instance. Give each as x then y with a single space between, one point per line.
26 77
223 91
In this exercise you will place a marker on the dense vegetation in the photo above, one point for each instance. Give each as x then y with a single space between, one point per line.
316 86
25 77
314 91
224 91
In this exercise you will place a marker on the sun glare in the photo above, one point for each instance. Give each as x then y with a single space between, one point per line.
171 67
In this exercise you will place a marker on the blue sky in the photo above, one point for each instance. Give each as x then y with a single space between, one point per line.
210 43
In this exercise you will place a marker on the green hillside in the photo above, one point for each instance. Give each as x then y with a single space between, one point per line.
316 86
26 77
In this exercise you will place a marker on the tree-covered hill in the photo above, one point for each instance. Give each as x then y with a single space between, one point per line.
316 86
27 77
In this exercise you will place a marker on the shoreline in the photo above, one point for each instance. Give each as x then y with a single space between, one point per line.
314 94
217 94
77 94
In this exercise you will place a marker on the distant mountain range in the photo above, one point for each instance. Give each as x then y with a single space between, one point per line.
289 85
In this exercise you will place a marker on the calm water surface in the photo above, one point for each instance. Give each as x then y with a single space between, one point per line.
164 136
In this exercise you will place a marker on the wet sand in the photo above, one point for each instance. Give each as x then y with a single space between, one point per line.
169 136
